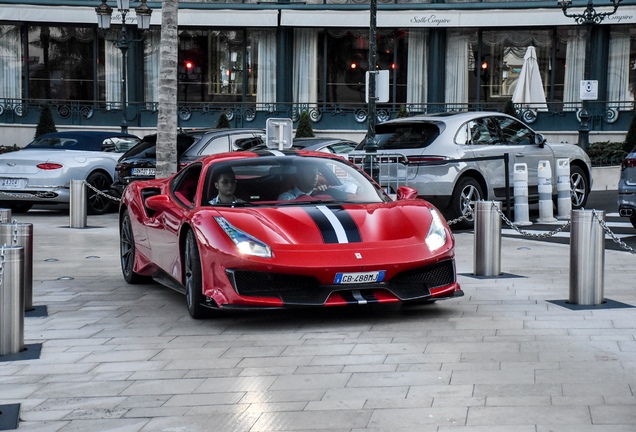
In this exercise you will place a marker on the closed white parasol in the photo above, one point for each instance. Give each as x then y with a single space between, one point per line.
529 90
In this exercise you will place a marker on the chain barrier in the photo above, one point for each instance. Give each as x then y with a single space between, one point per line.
39 194
531 235
97 191
616 240
57 188
2 260
468 214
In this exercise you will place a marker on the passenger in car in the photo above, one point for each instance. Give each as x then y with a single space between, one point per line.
225 182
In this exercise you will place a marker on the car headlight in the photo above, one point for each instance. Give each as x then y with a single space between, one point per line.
436 237
245 243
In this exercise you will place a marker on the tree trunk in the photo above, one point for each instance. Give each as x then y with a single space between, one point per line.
167 114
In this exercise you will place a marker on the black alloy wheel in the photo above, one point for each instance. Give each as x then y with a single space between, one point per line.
98 204
127 251
192 277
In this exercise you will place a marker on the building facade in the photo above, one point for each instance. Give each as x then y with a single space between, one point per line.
259 59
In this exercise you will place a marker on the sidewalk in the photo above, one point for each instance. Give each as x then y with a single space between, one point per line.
127 358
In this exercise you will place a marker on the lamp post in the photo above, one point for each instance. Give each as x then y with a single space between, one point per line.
104 13
589 18
371 146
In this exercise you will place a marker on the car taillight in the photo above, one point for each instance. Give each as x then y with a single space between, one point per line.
50 166
628 163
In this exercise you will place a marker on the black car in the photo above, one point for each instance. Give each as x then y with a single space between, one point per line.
139 163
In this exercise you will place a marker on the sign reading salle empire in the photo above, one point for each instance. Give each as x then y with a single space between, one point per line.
431 19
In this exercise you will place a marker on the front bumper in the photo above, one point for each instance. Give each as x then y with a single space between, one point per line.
433 281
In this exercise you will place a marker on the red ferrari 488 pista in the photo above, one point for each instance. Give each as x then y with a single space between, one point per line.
284 229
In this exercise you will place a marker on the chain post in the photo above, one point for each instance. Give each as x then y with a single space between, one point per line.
14 241
2 259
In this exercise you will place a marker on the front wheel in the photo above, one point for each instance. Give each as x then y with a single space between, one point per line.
466 193
98 204
579 187
192 277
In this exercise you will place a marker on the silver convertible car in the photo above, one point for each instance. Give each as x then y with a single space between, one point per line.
41 172
427 152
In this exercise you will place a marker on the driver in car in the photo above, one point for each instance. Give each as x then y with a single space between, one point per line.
305 184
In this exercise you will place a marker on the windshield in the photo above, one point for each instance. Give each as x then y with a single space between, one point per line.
400 135
288 180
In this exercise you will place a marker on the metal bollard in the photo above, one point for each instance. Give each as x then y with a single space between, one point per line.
564 201
587 258
21 234
78 208
487 261
546 212
520 176
5 215
11 300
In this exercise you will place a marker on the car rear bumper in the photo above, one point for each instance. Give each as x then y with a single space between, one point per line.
626 199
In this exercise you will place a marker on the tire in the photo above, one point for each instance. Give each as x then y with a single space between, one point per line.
466 190
98 204
633 221
579 187
16 206
127 251
192 277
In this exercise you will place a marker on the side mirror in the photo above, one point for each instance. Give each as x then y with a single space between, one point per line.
406 193
158 202
539 140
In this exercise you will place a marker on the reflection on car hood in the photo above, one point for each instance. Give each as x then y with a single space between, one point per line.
403 223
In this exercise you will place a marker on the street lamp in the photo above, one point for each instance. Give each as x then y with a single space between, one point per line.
589 18
371 146
104 13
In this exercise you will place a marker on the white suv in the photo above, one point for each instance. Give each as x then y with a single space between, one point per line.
429 150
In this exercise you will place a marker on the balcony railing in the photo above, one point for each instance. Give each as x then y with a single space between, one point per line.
606 116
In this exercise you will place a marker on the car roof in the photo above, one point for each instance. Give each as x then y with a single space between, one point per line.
449 117
267 153
306 142
83 140
221 131
88 135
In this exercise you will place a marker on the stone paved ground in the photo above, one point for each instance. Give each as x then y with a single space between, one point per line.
117 357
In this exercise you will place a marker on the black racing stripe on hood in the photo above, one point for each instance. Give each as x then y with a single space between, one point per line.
353 233
323 224
335 224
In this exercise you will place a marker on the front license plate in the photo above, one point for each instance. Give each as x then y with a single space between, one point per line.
143 171
362 277
12 183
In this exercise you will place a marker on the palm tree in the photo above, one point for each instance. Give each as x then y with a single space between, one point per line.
167 114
